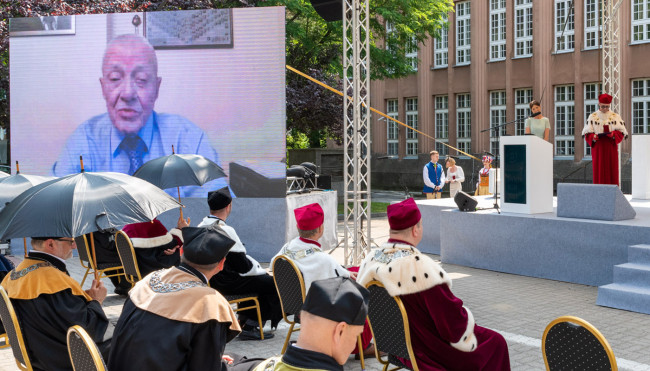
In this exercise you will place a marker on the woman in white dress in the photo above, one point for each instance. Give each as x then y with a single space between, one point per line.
455 177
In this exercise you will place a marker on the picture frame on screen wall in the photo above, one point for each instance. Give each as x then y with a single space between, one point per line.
205 28
42 26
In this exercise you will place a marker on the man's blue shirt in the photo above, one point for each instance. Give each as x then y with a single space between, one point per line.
98 141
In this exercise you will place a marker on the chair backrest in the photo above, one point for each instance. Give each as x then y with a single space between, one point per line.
127 256
10 322
83 351
571 343
389 323
289 283
82 249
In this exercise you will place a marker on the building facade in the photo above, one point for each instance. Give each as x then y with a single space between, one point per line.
498 55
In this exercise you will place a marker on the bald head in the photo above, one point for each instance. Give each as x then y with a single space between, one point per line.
130 82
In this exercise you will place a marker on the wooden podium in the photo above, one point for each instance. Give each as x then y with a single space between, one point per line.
526 179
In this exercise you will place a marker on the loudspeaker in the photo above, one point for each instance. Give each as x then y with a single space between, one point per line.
325 181
329 10
465 202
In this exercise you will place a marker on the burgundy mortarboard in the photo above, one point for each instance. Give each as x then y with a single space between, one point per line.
605 99
309 217
403 214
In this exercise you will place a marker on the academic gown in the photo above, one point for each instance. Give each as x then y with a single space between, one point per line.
47 302
443 332
242 274
150 240
172 321
300 359
609 130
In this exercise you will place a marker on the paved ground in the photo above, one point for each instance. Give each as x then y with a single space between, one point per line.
518 307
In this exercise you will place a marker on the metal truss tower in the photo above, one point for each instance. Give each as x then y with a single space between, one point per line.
356 117
611 54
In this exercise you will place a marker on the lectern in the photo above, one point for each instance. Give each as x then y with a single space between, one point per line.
526 179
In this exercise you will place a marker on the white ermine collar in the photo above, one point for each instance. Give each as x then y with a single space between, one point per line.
402 269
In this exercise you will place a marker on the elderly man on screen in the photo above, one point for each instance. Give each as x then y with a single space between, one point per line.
48 301
131 133
443 331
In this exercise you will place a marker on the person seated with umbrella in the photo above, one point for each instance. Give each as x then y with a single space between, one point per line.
172 319
48 301
155 247
242 274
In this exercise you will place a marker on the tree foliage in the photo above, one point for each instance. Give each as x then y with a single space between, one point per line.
312 46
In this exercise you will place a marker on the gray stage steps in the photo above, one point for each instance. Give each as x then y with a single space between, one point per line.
631 287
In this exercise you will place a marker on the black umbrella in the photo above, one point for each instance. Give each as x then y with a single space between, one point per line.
12 186
78 204
178 170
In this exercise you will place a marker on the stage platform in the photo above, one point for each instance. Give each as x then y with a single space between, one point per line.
538 245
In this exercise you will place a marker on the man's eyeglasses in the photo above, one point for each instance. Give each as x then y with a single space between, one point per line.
604 106
70 241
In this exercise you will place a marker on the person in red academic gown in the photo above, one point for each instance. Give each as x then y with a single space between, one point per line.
443 332
603 131
155 247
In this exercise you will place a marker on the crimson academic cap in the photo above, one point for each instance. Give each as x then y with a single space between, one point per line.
403 214
309 217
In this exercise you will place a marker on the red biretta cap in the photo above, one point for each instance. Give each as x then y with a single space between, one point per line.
605 99
403 214
309 217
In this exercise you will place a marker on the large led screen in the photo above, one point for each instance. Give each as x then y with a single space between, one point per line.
122 89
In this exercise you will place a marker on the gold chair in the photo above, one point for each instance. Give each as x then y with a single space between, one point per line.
291 290
571 343
127 257
390 327
85 256
237 299
83 351
10 321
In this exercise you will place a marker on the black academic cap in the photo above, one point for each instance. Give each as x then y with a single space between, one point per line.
219 199
206 245
338 299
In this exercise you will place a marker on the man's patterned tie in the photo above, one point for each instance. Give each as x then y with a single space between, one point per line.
135 148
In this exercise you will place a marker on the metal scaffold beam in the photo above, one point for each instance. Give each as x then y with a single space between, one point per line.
611 54
356 84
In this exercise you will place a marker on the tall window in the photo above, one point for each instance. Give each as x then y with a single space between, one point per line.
441 48
463 33
564 120
464 122
393 132
497 117
592 28
497 30
640 106
564 27
523 28
412 53
640 21
442 123
591 104
523 97
412 121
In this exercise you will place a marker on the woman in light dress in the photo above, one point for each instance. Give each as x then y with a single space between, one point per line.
537 124
455 177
